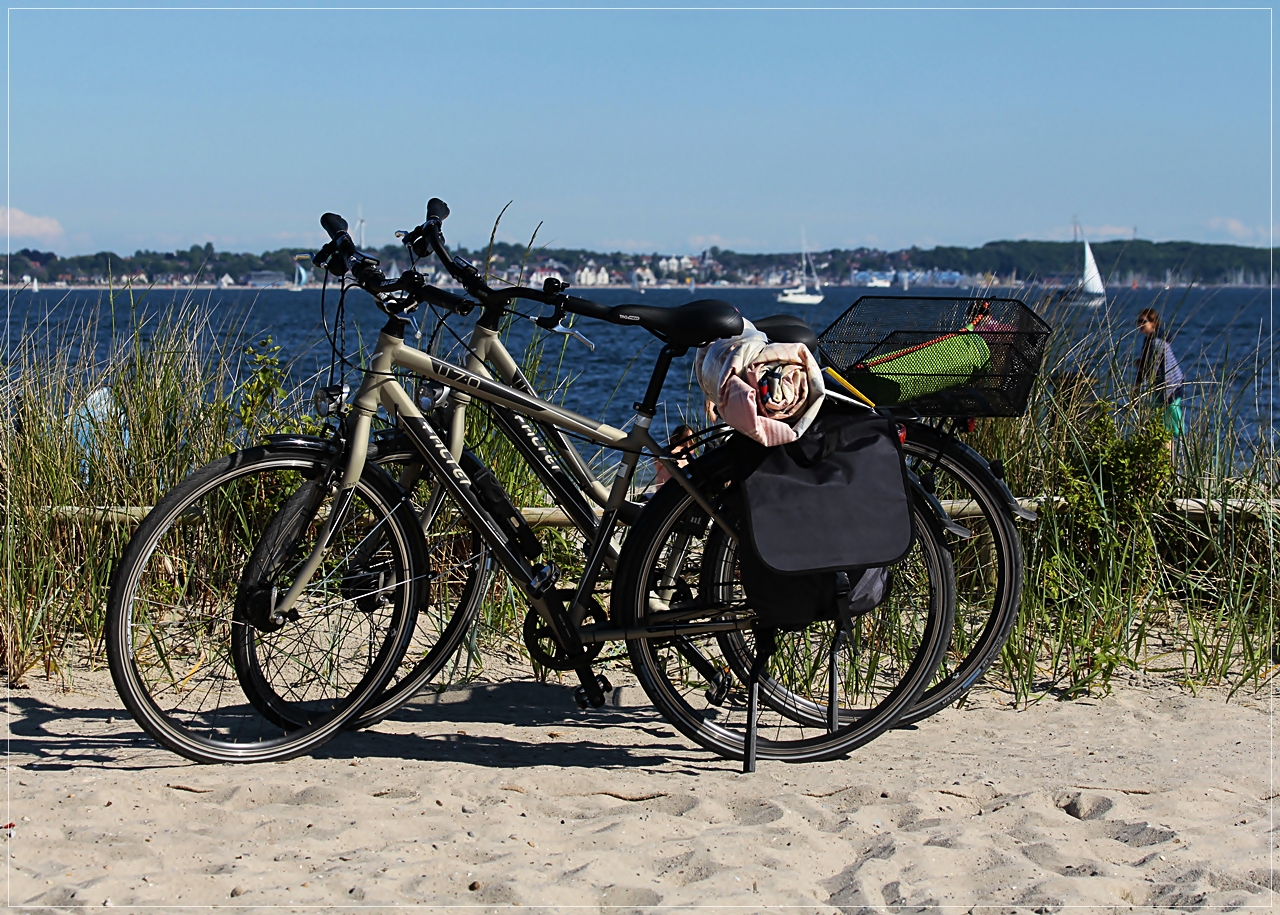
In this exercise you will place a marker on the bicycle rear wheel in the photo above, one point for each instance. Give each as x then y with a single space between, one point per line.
678 569
988 567
191 643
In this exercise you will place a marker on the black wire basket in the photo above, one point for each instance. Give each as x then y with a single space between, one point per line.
942 356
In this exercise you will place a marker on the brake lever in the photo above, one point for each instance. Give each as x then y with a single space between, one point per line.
554 323
573 332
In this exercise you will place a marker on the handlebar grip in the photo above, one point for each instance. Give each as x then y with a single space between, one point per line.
454 303
437 209
334 224
587 308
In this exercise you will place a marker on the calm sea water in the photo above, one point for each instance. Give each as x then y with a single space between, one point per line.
1212 330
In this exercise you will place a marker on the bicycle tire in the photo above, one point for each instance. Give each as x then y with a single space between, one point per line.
988 568
692 683
461 569
199 668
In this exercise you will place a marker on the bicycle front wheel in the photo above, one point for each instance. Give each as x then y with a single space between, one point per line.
459 569
193 647
678 569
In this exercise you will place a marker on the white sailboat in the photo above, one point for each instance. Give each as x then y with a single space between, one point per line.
1092 290
800 295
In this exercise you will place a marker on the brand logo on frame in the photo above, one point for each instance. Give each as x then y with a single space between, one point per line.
427 437
455 374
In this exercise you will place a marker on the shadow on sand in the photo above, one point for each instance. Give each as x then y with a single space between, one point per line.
52 737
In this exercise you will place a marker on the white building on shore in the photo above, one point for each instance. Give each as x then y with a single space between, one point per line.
541 275
590 275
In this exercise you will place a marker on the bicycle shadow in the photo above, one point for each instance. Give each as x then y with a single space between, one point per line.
47 737
440 722
43 736
510 752
530 703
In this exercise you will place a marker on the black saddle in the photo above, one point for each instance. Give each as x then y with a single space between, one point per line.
694 324
788 329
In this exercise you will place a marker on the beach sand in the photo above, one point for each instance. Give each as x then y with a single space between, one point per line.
505 793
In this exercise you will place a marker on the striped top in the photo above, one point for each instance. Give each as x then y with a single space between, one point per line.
1159 366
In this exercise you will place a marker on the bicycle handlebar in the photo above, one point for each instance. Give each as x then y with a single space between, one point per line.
428 238
334 224
341 256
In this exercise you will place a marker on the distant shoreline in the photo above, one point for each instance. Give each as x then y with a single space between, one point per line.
582 290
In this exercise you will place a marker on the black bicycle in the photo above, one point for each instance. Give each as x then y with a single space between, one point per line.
936 401
270 598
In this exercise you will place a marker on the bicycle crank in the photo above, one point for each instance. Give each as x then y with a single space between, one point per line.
540 640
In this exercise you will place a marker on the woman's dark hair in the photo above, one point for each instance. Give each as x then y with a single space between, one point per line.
1149 314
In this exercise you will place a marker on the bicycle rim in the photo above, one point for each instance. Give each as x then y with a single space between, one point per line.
459 569
697 681
199 670
988 571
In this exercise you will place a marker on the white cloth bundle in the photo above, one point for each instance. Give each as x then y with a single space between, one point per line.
768 391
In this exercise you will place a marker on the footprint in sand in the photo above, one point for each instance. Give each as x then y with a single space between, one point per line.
690 867
846 888
755 812
316 797
672 805
1047 856
619 896
398 793
1137 835
1084 805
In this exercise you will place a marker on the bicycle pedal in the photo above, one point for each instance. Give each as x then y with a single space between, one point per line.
719 690
584 701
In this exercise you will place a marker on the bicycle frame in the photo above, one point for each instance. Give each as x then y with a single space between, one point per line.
381 387
566 486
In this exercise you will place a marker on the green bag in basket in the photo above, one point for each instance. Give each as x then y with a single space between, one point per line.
923 369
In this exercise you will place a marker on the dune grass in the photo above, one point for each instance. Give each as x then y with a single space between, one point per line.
1120 575
91 439
1143 559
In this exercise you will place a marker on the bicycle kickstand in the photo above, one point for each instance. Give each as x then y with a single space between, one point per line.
766 644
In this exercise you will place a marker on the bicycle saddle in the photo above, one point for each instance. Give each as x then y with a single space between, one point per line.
694 324
788 329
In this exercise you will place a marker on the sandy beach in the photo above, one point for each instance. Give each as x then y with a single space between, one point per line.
505 794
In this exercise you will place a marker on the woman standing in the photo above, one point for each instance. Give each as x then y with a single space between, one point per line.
1158 368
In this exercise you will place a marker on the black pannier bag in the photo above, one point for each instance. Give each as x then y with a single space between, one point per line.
825 516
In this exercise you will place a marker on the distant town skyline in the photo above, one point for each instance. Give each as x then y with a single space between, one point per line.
638 130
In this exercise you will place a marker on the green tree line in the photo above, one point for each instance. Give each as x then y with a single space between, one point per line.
1117 260
1029 260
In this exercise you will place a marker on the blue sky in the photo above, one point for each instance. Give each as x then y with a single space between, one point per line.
648 130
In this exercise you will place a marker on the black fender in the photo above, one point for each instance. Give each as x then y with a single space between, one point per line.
939 513
980 466
996 481
298 440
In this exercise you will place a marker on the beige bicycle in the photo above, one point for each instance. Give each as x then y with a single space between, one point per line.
266 603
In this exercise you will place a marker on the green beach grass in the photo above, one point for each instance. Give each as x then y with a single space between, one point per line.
1126 570
1142 560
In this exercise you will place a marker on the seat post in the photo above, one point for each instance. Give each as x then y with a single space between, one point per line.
649 406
